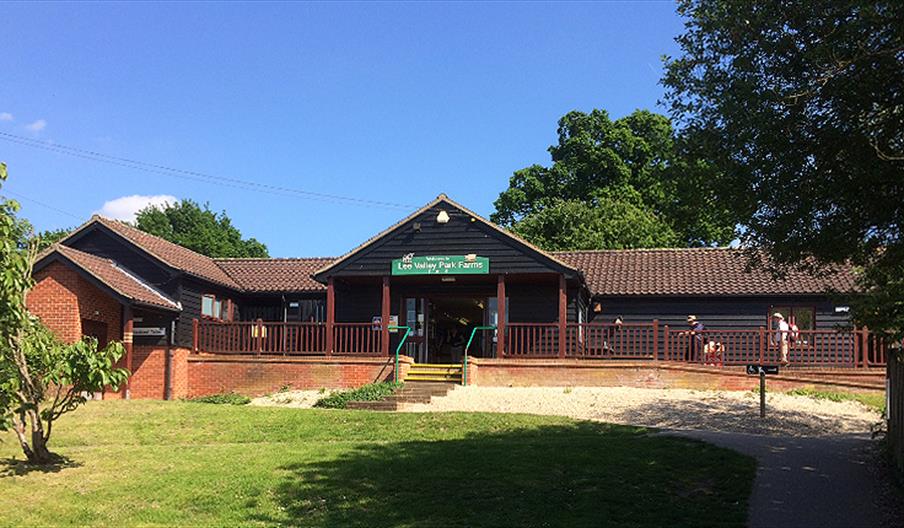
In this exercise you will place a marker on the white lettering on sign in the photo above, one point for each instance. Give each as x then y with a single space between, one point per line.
149 331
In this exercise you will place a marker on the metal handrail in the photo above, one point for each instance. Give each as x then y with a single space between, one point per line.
395 371
464 371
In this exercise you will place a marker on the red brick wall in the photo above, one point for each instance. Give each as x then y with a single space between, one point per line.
61 298
256 376
514 373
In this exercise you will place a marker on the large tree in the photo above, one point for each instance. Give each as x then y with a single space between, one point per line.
198 228
41 378
800 105
615 184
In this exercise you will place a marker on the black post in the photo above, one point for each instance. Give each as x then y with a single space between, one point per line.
762 392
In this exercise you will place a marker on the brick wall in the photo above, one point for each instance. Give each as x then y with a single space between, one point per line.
515 373
256 376
61 298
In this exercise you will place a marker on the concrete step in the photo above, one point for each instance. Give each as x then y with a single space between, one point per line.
432 377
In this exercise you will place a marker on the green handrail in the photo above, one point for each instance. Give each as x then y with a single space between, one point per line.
395 371
464 371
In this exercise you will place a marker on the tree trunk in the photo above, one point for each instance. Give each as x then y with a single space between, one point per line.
40 453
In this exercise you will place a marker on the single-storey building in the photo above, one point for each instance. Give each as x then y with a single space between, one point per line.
441 284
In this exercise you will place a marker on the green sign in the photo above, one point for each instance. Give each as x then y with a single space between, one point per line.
441 265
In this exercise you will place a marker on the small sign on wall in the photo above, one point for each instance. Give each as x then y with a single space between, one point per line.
149 331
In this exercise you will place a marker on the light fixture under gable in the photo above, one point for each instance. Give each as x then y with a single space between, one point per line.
442 217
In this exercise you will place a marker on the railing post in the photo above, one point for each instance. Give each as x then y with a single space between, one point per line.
864 346
260 336
655 339
330 315
384 317
666 338
194 334
563 314
501 309
762 344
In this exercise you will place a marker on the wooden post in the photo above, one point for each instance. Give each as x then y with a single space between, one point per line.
666 339
195 330
330 315
563 314
128 325
762 344
500 316
655 339
384 317
260 335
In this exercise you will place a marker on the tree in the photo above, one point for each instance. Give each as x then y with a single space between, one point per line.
615 184
188 224
799 105
40 378
50 237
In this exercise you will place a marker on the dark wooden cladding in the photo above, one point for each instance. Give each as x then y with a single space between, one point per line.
97 241
460 236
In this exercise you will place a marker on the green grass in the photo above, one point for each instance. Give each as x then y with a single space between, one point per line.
369 392
874 400
224 398
143 463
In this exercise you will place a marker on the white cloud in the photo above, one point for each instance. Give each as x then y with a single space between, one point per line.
6 116
37 126
125 208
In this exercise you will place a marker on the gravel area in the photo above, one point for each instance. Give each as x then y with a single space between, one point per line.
298 399
667 408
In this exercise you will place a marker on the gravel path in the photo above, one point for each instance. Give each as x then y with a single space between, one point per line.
297 399
795 416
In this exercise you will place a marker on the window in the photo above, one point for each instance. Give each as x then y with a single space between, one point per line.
803 316
215 308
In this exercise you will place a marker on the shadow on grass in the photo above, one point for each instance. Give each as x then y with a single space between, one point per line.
12 466
581 474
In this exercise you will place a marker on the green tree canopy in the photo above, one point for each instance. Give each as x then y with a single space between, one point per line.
198 228
800 105
615 184
50 237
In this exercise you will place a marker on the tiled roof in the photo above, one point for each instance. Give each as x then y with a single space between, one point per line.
171 254
116 278
698 271
275 274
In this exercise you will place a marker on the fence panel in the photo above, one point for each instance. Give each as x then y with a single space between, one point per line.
360 339
611 341
257 337
532 340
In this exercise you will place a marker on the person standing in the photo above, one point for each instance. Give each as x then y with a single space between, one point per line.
695 338
782 336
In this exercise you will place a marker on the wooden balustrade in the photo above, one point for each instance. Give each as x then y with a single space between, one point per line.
357 339
612 341
641 341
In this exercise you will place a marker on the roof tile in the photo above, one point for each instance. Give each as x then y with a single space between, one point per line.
693 271
275 274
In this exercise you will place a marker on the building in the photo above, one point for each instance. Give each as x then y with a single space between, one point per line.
193 324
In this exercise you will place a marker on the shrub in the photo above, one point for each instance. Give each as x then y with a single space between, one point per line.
369 392
224 398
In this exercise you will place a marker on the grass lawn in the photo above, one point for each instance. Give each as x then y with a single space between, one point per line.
177 463
873 399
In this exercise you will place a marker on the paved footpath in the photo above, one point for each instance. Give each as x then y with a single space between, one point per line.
820 482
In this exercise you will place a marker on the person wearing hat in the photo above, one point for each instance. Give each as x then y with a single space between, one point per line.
782 331
695 341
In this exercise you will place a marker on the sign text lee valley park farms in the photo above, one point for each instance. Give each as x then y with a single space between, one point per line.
441 265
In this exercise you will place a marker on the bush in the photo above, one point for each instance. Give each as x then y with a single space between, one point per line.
369 392
224 398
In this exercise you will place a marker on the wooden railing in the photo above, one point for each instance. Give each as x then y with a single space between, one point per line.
612 341
641 341
532 340
357 339
894 411
258 337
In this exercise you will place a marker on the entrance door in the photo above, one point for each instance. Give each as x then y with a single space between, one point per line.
451 321
415 317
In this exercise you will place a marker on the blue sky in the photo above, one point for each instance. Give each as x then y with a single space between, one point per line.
389 102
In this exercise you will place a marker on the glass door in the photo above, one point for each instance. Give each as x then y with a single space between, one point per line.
414 312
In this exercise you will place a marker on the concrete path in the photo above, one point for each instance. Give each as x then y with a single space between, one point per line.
813 482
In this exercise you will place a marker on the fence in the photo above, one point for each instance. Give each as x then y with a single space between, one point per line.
639 341
895 408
